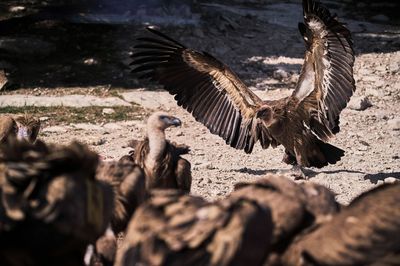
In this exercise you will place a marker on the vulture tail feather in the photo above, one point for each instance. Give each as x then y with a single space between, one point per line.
332 154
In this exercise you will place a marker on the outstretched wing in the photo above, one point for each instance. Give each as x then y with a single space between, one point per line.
205 87
326 82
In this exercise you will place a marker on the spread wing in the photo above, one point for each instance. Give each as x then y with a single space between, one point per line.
205 87
326 82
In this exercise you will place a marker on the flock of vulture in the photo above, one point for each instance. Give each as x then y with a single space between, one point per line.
61 205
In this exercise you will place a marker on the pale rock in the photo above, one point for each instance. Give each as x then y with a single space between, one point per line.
390 180
280 74
373 92
394 124
108 111
359 103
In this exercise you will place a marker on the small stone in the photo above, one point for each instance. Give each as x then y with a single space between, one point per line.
99 142
108 111
380 182
380 17
394 124
379 83
208 166
179 134
394 67
44 118
16 9
390 180
90 61
280 74
359 103
374 92
395 157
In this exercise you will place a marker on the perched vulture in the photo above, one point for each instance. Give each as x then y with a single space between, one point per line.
215 96
173 228
51 205
294 207
22 127
161 159
128 182
364 233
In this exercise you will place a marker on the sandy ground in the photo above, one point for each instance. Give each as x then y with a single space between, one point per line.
371 138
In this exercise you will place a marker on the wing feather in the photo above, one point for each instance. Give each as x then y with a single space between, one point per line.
203 86
328 67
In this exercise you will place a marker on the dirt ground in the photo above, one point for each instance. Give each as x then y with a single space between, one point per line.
259 50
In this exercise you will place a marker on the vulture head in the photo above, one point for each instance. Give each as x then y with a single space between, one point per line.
27 127
265 113
162 121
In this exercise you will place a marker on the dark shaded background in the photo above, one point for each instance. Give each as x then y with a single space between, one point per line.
87 42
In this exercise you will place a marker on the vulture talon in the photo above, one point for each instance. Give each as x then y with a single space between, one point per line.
303 122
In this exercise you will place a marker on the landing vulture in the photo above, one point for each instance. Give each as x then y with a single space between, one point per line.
51 205
161 159
215 96
364 233
22 127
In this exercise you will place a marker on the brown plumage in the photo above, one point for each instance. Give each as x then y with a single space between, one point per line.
22 127
364 233
51 206
161 159
294 207
215 96
128 182
105 250
177 229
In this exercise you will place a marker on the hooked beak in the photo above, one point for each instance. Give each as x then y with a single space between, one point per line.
176 122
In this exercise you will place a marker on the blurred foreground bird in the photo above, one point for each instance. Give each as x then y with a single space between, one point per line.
173 228
21 127
215 96
252 225
294 207
128 182
161 159
364 233
51 205
273 221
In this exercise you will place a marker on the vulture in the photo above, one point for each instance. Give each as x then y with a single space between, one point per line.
302 122
364 233
161 159
22 127
51 205
294 207
128 182
173 228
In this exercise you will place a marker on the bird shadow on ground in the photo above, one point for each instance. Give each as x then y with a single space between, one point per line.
312 173
308 172
255 171
374 178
